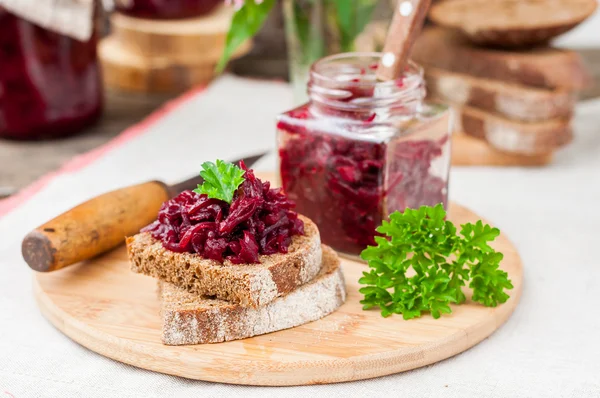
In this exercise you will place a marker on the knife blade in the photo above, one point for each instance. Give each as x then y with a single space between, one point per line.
101 223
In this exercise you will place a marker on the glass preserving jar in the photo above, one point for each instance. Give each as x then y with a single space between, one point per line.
361 149
50 84
166 9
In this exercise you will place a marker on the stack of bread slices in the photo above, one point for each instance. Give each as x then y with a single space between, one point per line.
491 60
205 301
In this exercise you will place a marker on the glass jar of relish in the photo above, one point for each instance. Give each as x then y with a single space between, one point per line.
166 9
361 149
50 84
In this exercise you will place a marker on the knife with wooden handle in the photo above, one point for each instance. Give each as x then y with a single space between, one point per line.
101 223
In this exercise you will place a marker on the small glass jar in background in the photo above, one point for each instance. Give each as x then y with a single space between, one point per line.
361 149
50 84
166 9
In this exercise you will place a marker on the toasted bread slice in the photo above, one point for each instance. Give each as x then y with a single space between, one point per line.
512 23
512 136
190 319
249 285
541 67
513 101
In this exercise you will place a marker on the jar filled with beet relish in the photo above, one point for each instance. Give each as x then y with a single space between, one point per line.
361 149
166 9
50 84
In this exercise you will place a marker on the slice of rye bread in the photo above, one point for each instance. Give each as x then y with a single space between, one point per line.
541 67
249 285
513 101
512 23
470 151
190 319
511 136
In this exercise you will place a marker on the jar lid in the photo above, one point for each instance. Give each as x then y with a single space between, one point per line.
73 18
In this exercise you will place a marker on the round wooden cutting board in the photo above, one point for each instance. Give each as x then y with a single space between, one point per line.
105 307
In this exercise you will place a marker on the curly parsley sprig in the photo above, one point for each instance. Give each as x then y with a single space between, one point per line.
221 180
421 265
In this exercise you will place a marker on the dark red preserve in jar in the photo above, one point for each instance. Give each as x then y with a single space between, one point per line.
50 84
166 9
361 149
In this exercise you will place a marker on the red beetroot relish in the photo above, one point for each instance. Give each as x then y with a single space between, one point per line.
50 84
260 220
338 181
171 9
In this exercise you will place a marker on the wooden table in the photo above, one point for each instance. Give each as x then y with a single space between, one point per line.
24 162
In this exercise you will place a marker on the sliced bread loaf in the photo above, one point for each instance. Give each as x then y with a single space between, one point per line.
512 23
248 285
512 136
542 67
513 101
189 319
470 151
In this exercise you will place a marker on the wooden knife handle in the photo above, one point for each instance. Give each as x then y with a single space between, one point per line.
93 227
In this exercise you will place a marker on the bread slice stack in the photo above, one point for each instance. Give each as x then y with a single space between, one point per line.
512 23
204 301
514 94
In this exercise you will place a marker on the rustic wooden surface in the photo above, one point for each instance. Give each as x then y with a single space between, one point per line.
149 38
142 55
107 308
23 162
126 70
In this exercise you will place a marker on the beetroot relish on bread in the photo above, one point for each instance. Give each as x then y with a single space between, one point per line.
259 221
250 285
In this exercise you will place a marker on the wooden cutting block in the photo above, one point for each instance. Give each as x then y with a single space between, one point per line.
105 307
469 151
195 39
127 71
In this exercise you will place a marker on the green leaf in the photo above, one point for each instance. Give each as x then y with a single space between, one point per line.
423 244
479 235
352 16
221 180
310 35
246 23
436 213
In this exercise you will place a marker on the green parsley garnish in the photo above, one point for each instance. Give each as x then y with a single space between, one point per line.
221 180
422 244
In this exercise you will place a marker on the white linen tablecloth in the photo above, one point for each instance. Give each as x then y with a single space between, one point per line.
550 347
